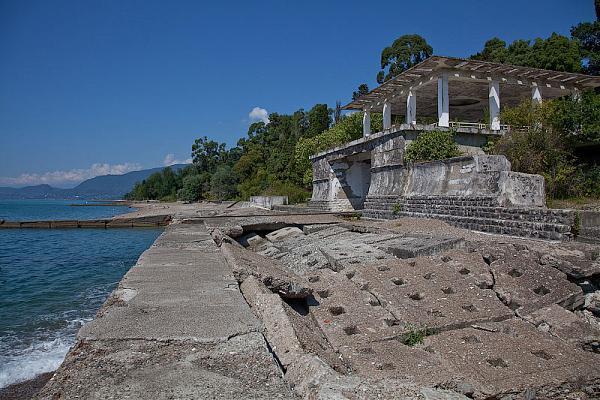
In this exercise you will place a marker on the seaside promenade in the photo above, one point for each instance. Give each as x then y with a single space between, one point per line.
177 326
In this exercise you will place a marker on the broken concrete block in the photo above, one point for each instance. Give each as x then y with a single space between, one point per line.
416 246
567 326
592 303
432 294
310 229
525 285
574 268
251 240
246 263
341 253
284 233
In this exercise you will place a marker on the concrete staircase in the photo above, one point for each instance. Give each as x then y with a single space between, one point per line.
481 213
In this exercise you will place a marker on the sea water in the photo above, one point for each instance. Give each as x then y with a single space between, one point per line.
52 281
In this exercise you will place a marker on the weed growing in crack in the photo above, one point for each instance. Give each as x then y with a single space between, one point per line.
415 335
397 208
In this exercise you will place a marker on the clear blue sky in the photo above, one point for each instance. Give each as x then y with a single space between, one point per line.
125 83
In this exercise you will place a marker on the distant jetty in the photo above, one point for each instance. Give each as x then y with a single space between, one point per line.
115 203
133 222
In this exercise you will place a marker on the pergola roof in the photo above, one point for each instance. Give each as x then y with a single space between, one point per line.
468 86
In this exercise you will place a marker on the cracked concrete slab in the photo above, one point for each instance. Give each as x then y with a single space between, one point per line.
514 358
524 284
141 369
428 293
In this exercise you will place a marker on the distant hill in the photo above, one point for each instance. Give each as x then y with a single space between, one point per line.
99 187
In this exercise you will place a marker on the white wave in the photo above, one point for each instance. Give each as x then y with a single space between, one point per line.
36 359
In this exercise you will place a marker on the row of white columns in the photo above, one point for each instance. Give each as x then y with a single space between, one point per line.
444 106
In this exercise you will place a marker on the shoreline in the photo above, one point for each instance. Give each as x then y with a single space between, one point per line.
29 387
26 389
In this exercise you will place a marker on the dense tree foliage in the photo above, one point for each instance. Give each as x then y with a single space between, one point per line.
262 163
558 53
406 51
588 36
347 129
549 145
361 91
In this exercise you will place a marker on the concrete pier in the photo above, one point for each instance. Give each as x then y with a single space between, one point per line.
177 326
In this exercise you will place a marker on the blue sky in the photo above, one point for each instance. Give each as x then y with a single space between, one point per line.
94 87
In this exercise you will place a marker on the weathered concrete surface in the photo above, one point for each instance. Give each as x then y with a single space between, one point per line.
514 358
524 284
176 327
268 201
490 313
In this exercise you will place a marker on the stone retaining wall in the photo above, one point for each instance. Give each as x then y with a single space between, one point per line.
481 213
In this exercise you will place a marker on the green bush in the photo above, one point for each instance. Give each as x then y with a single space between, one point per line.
347 129
548 146
295 194
432 145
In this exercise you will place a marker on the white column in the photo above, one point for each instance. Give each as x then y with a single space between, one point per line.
536 95
366 123
387 115
443 101
411 108
494 98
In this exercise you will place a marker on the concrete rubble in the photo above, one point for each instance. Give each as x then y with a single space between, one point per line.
485 318
232 304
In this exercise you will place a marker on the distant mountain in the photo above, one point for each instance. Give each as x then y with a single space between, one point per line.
99 187
33 192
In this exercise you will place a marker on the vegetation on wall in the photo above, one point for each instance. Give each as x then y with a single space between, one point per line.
432 145
347 129
549 144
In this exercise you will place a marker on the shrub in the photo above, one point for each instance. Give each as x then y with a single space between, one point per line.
295 194
432 145
347 129
547 146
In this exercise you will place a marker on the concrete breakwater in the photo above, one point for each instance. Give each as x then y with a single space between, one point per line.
177 326
134 222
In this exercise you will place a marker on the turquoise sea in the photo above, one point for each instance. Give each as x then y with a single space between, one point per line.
54 280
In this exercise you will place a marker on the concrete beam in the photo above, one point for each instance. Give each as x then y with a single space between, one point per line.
387 115
494 104
443 101
411 108
366 123
536 95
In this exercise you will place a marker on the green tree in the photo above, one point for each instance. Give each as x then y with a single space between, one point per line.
405 52
588 36
194 186
208 154
319 120
557 52
494 50
223 183
578 120
432 145
361 91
